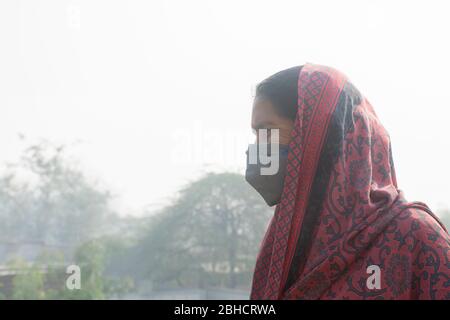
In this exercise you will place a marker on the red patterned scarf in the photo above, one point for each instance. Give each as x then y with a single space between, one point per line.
341 215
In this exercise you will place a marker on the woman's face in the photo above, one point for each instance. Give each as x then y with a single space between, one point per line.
265 116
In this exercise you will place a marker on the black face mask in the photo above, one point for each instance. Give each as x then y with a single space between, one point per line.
269 185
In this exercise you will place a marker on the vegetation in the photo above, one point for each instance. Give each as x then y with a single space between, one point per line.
208 237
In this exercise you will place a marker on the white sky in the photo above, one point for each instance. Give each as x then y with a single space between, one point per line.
139 82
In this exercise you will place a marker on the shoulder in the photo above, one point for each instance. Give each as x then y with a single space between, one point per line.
424 226
429 253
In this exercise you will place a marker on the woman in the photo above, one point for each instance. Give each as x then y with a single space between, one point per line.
341 229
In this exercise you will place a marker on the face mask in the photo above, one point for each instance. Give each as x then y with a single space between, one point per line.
265 180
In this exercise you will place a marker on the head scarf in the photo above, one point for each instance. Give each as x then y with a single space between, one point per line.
341 215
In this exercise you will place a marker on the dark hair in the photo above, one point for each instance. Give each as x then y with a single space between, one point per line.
281 89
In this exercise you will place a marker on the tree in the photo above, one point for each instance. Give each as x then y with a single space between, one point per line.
209 236
46 201
57 204
29 283
46 277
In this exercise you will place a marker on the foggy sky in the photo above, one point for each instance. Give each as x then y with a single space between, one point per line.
135 82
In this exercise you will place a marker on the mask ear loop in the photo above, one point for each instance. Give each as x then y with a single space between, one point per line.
284 149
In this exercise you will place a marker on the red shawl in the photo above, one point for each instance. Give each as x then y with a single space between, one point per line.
342 219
